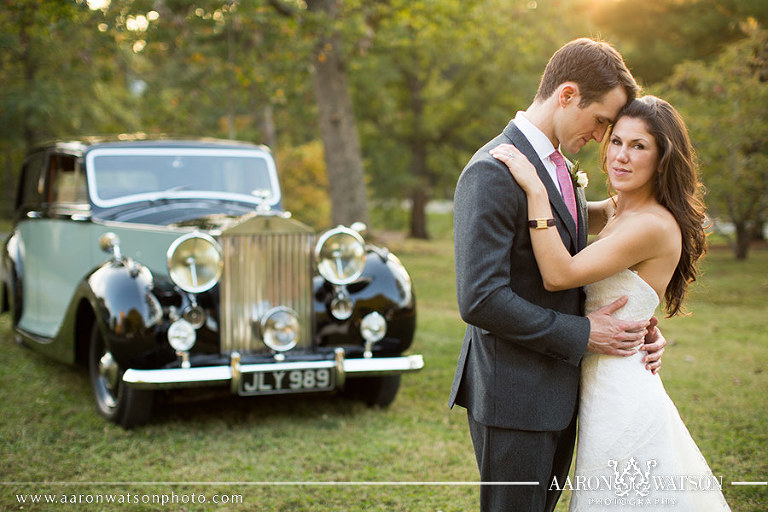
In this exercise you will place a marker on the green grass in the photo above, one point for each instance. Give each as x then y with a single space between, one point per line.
715 369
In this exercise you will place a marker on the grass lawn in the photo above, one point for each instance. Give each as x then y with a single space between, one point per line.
715 369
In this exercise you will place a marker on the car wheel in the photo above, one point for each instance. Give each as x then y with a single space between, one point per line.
115 401
15 301
374 391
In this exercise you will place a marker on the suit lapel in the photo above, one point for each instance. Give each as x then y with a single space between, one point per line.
555 199
581 203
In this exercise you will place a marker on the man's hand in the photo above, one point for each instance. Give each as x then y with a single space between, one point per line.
654 346
608 335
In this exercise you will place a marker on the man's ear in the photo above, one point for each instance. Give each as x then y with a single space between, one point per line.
567 93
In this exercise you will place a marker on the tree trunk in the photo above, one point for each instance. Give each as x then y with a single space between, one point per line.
30 72
418 214
758 231
743 238
268 130
9 183
420 192
419 169
336 115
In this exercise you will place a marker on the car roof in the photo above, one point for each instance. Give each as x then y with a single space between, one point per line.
83 144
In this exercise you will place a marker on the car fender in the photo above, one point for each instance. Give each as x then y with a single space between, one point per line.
385 286
390 291
127 311
11 278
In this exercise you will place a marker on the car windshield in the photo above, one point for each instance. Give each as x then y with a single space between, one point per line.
124 175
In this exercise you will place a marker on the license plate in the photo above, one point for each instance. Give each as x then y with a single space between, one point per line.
286 381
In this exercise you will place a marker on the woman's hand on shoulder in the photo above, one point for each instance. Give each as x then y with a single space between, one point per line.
520 167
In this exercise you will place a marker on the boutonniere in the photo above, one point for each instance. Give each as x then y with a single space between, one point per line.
580 178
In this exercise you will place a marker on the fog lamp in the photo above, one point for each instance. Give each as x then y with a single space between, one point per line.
280 329
373 327
341 306
181 335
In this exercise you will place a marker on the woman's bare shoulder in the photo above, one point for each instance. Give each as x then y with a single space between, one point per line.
654 224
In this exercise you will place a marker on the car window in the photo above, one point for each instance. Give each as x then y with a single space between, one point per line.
31 184
67 180
118 176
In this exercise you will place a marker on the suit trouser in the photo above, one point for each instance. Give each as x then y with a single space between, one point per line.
505 455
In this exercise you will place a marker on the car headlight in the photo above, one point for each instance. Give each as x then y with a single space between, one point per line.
280 329
340 255
194 262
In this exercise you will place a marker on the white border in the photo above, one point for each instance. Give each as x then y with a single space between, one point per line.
304 483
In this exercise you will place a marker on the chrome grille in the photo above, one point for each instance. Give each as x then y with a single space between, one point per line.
267 263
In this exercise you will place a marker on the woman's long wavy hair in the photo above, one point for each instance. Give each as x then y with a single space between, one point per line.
677 188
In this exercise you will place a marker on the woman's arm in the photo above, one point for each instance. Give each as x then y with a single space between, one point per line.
487 207
624 248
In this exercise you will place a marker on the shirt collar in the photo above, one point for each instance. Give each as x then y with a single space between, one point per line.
540 142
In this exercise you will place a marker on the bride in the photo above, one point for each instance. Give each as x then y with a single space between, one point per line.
633 448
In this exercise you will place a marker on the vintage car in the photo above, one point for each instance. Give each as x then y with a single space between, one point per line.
171 264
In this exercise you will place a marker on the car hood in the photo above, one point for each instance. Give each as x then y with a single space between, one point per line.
204 214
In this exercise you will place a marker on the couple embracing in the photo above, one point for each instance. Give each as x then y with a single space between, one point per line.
558 329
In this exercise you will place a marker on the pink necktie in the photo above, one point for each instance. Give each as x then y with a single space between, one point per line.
566 184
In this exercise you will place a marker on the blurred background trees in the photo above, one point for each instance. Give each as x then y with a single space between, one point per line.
724 103
420 84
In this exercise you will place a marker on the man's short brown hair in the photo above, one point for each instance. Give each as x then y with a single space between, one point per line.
595 66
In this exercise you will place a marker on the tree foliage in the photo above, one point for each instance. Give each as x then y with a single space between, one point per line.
441 79
656 36
422 83
725 104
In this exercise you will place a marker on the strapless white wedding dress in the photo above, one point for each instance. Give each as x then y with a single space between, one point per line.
634 450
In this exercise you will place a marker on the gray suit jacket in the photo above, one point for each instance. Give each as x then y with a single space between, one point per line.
519 362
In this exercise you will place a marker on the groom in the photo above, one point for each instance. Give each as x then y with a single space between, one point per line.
518 370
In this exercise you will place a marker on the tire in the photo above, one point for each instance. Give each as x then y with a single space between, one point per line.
15 298
15 301
374 391
121 404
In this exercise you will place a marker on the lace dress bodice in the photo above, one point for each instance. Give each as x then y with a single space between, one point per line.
642 303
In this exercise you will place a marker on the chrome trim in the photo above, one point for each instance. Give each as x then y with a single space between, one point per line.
237 376
383 365
221 375
341 375
267 264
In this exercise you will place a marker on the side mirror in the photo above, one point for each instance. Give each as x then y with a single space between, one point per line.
110 243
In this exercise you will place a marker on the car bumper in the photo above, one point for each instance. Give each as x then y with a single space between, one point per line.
232 374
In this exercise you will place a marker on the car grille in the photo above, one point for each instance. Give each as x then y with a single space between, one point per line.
267 263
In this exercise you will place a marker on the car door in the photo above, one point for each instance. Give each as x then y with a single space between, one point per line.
58 246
